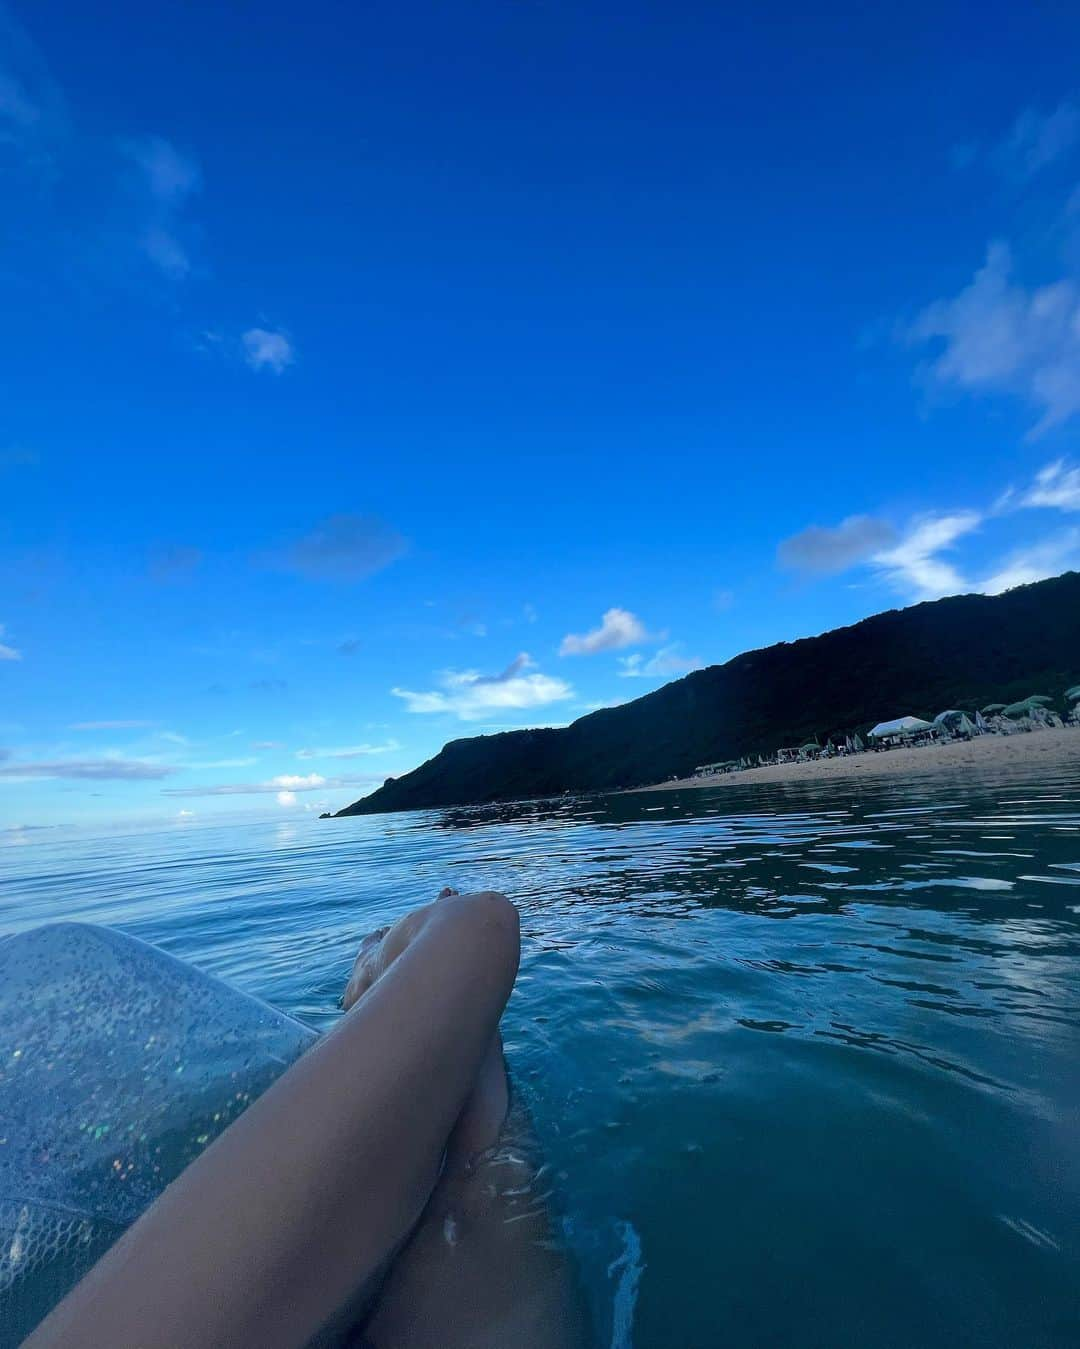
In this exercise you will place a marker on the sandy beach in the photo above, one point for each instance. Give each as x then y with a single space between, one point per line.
1051 749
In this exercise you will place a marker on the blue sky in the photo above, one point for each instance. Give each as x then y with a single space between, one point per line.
372 376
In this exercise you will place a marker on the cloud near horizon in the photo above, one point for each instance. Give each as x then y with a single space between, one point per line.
123 725
284 782
618 628
1056 487
348 751
1037 563
471 696
88 770
668 661
913 564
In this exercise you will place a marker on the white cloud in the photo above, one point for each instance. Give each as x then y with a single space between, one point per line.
223 763
822 550
1037 139
471 696
284 782
998 336
166 179
298 781
88 770
286 798
114 726
1055 486
348 751
167 252
914 564
8 652
1049 558
267 350
170 176
914 567
618 628
343 548
669 660
267 744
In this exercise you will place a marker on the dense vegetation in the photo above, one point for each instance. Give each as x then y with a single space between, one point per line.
961 652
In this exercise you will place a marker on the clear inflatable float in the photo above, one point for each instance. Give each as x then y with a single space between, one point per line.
118 1065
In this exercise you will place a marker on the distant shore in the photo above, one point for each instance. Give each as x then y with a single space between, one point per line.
1050 749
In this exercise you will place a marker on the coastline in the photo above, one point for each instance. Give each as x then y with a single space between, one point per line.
1049 748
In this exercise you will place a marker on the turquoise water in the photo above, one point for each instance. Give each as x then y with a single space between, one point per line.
806 1063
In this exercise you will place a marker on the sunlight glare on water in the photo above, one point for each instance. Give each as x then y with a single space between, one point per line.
804 1061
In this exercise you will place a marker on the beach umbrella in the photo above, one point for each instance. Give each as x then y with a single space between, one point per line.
981 724
1039 698
900 726
1073 694
1023 708
991 708
955 720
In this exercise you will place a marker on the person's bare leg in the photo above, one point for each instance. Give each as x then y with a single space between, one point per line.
305 1197
483 1268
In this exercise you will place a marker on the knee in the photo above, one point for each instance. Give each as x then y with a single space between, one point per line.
496 914
492 922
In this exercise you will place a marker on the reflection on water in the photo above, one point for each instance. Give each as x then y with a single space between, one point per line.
815 1049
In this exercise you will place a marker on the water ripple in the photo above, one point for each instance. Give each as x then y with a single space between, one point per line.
815 1049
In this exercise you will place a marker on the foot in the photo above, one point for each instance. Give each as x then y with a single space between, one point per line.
381 948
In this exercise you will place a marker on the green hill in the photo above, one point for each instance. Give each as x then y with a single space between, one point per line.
964 652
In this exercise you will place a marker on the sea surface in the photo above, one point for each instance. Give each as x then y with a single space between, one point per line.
805 1061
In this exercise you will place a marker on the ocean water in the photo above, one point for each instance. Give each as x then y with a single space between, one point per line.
805 1062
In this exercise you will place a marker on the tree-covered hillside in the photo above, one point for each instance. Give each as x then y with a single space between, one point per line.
964 652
